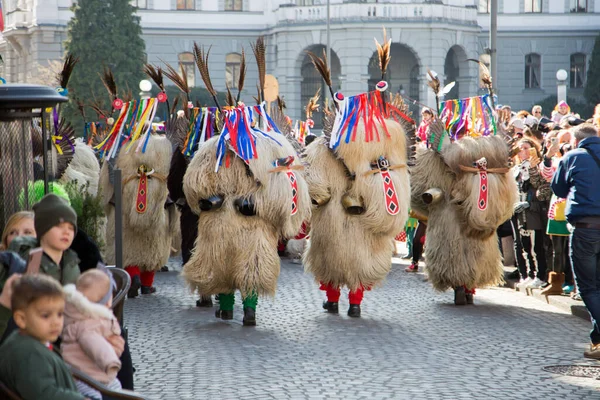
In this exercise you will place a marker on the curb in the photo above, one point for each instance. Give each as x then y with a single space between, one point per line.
564 302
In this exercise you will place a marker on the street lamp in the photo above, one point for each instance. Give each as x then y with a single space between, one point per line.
145 87
561 85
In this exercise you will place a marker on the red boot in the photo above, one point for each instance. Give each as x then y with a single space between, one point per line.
136 283
333 297
147 279
355 297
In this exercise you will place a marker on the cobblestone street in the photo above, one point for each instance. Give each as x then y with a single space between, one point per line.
411 343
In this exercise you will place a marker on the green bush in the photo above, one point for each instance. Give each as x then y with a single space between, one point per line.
90 211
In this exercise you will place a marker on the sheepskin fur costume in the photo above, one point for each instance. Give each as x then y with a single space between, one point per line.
355 250
462 245
146 237
84 168
234 251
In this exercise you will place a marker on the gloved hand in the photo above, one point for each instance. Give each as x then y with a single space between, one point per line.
520 207
13 262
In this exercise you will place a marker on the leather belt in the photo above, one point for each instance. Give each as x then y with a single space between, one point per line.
585 225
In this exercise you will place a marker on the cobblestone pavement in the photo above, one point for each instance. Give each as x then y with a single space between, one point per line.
411 343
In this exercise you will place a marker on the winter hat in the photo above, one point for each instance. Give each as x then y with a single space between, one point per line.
50 212
563 103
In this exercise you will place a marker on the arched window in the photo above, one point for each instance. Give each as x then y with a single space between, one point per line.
186 60
577 70
533 67
233 62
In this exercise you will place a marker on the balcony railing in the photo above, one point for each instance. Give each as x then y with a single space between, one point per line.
377 12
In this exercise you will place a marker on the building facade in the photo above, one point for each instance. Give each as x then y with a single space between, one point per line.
535 39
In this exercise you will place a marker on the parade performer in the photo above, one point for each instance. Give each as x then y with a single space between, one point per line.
358 180
247 187
143 157
184 129
461 183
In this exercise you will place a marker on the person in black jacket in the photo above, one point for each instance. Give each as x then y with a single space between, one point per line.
188 220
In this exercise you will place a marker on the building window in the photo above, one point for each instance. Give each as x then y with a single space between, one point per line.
186 60
186 4
578 6
533 67
234 5
533 6
484 6
305 2
233 62
139 3
577 70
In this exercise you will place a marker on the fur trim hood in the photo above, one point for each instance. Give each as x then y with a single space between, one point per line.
78 307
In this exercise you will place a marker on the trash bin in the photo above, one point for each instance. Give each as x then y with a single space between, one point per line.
25 138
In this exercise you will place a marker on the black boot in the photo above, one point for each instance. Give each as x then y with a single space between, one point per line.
148 289
204 301
331 307
460 296
249 316
469 297
134 289
354 311
224 314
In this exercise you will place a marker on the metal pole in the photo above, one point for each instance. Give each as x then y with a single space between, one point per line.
118 218
328 37
45 146
493 37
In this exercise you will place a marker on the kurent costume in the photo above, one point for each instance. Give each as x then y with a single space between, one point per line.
358 180
248 189
461 182
143 157
184 128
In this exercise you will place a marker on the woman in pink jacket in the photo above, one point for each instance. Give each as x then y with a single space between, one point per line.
89 321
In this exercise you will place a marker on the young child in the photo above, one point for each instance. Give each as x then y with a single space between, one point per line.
28 364
55 224
89 321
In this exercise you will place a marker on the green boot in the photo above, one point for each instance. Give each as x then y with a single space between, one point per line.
226 302
250 303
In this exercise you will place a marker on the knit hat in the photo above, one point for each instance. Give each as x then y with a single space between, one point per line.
50 212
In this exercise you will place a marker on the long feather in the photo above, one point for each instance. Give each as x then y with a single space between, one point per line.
180 80
201 58
384 54
260 52
242 77
321 66
156 74
281 104
65 74
486 79
108 79
81 108
230 99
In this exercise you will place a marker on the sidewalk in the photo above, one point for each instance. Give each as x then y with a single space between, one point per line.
564 302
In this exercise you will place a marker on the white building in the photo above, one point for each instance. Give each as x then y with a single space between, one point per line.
535 39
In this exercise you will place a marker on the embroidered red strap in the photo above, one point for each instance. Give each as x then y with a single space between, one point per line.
142 199
294 184
483 184
391 198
